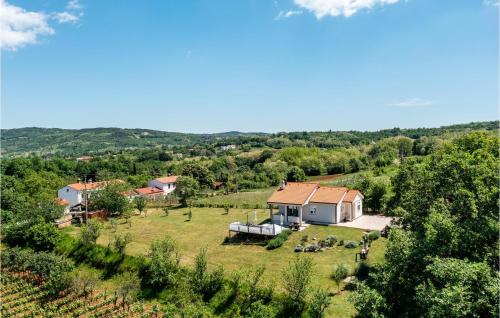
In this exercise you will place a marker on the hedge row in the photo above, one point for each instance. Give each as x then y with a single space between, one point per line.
279 239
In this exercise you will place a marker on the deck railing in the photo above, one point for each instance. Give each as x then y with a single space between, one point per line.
265 229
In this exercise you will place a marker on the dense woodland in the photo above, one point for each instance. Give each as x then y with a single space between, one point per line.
67 142
443 184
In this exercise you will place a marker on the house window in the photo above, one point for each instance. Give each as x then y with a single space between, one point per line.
67 190
358 207
292 211
169 185
313 210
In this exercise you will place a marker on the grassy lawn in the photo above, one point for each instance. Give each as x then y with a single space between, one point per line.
209 227
245 198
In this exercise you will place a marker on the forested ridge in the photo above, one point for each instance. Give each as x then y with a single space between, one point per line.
76 142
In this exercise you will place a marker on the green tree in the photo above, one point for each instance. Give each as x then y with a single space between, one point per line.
186 189
140 204
295 174
50 211
320 300
368 302
127 215
42 237
164 262
84 281
340 273
297 281
120 242
198 172
90 232
448 208
128 287
111 200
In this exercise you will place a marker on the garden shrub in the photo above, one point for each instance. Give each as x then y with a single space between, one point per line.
330 240
374 235
298 248
341 242
322 243
312 248
275 243
279 239
350 244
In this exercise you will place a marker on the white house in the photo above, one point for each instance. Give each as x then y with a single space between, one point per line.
300 202
227 147
75 193
166 184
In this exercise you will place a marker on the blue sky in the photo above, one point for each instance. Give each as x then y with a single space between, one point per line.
248 65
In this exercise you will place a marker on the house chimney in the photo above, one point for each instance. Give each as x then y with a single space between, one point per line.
282 185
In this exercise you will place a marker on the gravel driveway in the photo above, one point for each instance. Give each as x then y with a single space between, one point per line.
368 222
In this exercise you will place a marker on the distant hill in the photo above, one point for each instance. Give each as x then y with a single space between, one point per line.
45 141
71 142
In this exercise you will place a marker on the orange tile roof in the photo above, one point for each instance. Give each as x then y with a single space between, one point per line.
293 193
351 195
60 201
298 193
148 191
128 193
332 195
94 185
168 179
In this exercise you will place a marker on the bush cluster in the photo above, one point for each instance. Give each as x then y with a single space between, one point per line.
350 244
374 235
278 240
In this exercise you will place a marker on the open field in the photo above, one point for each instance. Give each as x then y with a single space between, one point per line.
241 199
209 227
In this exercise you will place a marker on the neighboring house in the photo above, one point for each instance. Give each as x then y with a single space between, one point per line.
64 203
227 147
84 158
308 202
75 193
150 192
166 184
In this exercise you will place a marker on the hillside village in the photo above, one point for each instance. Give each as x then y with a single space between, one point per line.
335 212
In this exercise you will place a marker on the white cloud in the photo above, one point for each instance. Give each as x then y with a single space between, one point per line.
347 8
286 14
494 3
73 13
413 102
65 17
19 27
74 5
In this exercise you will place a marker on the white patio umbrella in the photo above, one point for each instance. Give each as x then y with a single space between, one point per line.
281 219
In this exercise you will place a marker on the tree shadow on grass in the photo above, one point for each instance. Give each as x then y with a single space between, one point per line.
224 305
245 239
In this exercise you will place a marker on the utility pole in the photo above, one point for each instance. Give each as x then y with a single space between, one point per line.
86 198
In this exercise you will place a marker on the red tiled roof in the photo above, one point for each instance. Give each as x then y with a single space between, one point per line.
298 193
63 202
351 195
293 193
169 179
148 191
332 195
94 185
